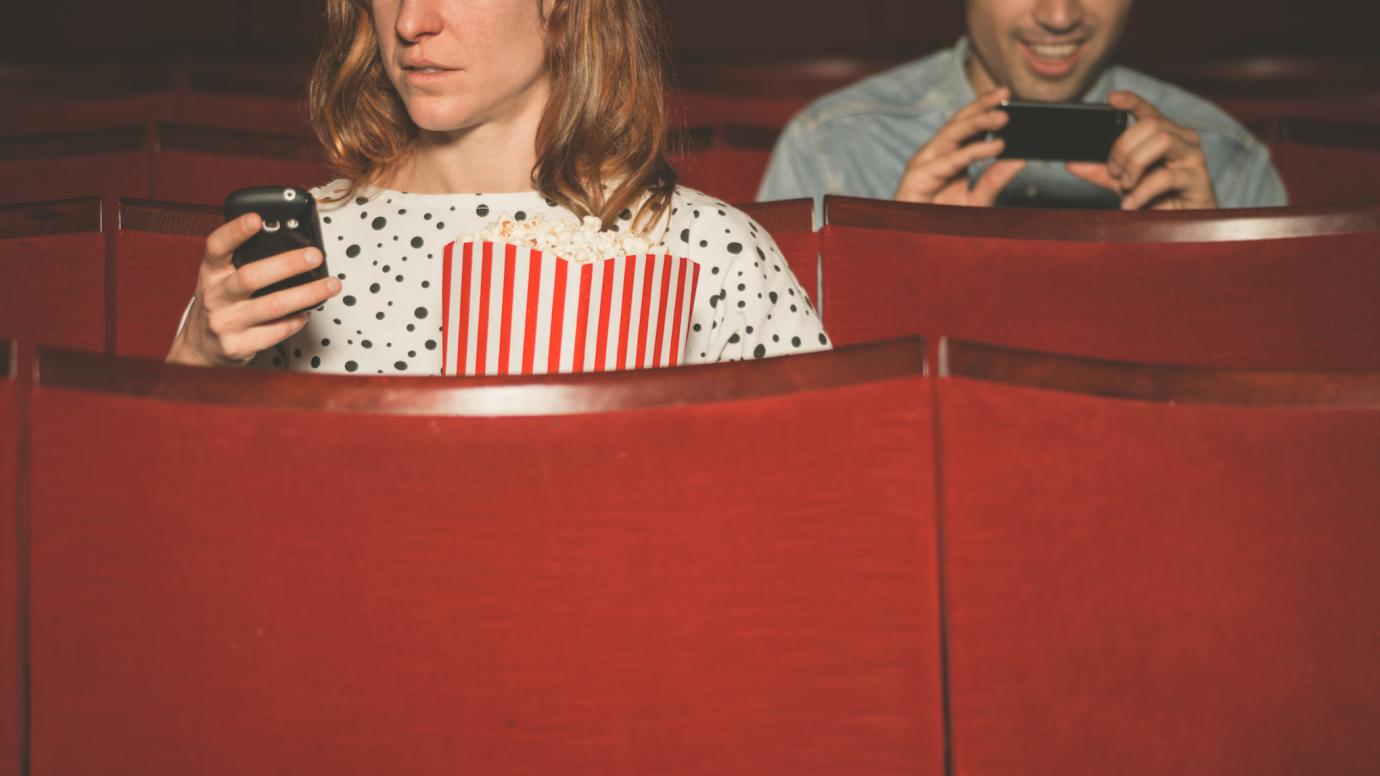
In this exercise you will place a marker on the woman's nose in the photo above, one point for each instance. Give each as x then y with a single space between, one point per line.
418 19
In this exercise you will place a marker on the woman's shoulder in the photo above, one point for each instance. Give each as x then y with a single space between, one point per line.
706 221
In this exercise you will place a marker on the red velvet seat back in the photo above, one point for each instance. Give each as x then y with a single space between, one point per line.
726 162
742 586
158 252
52 274
202 165
108 163
1136 588
11 703
1318 175
1300 303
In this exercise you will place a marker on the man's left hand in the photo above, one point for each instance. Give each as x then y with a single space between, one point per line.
1155 164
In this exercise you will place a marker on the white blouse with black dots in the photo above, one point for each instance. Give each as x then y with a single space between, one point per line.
386 247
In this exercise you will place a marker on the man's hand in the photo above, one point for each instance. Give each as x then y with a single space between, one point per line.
1156 163
938 173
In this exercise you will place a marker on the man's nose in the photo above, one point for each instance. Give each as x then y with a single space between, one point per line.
418 19
1059 16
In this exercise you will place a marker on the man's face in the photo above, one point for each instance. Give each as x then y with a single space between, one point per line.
1044 50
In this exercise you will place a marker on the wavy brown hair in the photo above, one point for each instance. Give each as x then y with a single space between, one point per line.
602 147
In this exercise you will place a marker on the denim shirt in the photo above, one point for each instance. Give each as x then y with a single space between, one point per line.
858 141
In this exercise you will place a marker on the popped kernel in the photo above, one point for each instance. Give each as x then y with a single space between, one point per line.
582 241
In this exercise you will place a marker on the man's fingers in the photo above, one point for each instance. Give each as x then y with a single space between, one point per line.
983 103
261 274
1133 104
1094 173
1154 150
221 244
1161 181
994 180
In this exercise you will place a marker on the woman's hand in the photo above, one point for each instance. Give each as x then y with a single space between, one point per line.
225 327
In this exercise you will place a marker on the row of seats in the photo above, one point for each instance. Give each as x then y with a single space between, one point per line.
200 164
1261 289
855 561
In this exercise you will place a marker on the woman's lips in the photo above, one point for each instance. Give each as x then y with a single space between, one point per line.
1052 60
420 77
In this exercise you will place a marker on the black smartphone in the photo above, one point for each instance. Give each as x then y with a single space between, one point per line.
289 224
1060 131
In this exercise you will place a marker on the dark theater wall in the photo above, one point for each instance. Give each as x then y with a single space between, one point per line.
1160 29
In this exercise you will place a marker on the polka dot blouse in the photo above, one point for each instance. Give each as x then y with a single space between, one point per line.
387 250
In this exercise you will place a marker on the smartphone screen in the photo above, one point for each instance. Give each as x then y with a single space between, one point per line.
289 224
1060 131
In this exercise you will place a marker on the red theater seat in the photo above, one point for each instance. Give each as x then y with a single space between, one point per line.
1134 586
792 224
1292 303
203 164
1326 162
11 703
63 98
259 97
727 162
52 273
724 569
158 250
111 163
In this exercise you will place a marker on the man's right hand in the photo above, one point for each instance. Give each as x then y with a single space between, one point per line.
225 326
938 173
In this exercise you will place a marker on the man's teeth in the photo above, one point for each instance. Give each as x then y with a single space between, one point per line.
1061 51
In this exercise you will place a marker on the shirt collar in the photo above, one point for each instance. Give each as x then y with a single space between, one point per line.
962 88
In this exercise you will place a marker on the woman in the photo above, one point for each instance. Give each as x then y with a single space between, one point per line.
548 107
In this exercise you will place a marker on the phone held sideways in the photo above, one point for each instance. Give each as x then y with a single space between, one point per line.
1060 131
289 221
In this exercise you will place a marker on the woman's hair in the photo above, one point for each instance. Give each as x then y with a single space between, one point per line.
602 147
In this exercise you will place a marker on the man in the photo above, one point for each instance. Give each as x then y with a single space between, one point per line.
1180 152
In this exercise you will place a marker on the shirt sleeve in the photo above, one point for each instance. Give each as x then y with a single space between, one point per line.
796 169
1251 180
748 303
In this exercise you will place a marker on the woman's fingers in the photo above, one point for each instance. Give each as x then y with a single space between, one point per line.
258 275
287 302
221 244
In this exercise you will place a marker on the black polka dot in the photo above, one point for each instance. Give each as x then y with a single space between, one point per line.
704 243
696 327
315 362
349 301
378 316
379 223
440 224
735 339
410 327
795 342
759 351
714 271
398 279
325 343
521 215
735 248
431 344
420 312
823 340
426 284
401 366
327 219
351 366
352 251
482 211
417 242
374 288
742 286
361 201
426 216
367 344
772 297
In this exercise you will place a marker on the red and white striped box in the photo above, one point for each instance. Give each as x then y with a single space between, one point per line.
510 310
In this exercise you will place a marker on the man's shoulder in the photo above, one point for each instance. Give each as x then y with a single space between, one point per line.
1183 107
916 87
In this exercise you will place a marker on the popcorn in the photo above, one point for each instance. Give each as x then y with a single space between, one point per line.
581 241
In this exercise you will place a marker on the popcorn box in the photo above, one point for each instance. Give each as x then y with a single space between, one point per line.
511 310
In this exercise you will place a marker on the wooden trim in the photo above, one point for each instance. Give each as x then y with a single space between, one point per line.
41 219
232 142
482 397
147 215
52 146
1333 134
1155 383
792 216
1103 226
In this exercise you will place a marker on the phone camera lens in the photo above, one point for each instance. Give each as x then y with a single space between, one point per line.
271 226
289 194
292 223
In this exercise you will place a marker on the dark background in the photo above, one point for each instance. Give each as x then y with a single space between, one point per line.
1160 30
